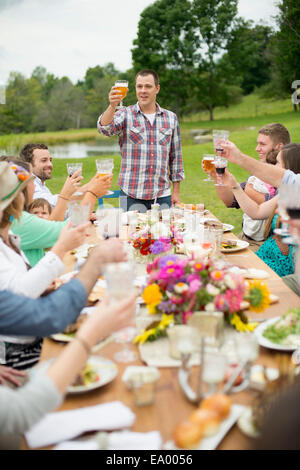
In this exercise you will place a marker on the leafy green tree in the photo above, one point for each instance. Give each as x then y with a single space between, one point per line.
184 41
165 43
248 53
23 97
286 47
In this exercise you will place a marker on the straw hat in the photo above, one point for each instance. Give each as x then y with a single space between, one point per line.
13 179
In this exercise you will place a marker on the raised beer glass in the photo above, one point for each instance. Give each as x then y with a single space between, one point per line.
122 88
208 166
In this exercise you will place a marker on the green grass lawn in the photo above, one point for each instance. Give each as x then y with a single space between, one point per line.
242 120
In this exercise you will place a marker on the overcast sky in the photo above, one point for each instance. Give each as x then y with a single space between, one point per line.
68 36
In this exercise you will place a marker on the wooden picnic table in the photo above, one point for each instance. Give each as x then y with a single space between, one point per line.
171 406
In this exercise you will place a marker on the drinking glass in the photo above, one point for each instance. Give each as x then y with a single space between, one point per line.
246 347
122 88
220 165
213 372
218 137
105 167
71 168
109 222
78 213
120 283
208 165
289 207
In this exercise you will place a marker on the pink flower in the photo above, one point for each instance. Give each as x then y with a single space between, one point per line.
177 300
221 302
217 275
186 316
171 272
234 298
195 285
199 266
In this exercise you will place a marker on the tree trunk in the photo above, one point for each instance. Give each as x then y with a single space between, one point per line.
211 112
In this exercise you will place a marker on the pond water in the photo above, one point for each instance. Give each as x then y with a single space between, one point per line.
83 149
76 149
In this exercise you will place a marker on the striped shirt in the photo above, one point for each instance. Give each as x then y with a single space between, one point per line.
151 154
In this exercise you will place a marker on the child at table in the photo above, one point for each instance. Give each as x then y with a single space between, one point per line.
40 207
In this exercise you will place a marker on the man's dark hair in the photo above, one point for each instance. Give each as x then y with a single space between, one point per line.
145 72
26 153
277 132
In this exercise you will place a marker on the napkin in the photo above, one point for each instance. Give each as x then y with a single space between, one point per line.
124 440
60 426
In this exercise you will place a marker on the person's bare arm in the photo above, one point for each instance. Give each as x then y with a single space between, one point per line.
175 193
108 115
258 197
69 188
271 174
248 205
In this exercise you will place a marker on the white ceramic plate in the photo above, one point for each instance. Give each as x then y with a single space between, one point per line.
266 343
241 245
106 370
227 227
252 273
210 443
245 424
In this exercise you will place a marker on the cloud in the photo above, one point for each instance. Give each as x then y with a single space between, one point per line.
4 4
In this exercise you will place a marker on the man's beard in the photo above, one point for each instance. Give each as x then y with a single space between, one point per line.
44 176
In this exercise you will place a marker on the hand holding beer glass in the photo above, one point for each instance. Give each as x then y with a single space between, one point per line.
105 168
121 86
208 166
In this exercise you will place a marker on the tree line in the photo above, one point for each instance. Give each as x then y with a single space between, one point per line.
205 55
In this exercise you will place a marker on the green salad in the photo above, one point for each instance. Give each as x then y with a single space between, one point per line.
288 324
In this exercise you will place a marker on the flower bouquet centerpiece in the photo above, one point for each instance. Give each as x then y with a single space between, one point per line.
178 287
153 241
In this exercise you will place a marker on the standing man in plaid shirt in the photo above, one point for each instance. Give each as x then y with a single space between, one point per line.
150 144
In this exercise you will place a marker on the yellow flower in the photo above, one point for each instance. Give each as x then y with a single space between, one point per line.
152 296
258 296
165 321
142 338
240 325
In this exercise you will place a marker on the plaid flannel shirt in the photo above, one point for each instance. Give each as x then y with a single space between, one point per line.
151 155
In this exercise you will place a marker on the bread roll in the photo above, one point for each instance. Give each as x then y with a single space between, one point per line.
208 419
187 435
219 403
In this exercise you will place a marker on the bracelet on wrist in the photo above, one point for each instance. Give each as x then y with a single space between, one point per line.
235 187
83 343
88 191
62 197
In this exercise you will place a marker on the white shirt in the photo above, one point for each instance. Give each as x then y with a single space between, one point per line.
15 276
254 228
41 191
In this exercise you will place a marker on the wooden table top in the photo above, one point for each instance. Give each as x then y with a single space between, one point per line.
161 416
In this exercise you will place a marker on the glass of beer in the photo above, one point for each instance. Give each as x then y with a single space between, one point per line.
105 168
208 165
122 88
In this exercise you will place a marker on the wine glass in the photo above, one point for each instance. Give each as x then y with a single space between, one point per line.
220 165
122 88
208 166
120 283
105 167
108 222
71 168
218 137
246 346
289 207
213 372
